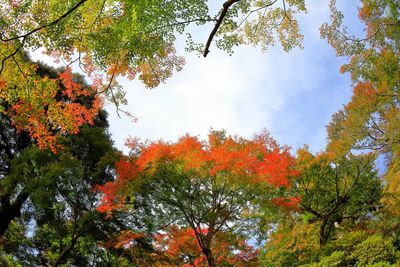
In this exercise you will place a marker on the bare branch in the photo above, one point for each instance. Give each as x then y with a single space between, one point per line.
360 40
110 82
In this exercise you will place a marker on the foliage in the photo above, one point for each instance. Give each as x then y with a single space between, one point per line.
111 39
293 243
67 197
298 246
372 250
209 187
333 190
338 197
335 259
53 103
179 246
371 119
48 205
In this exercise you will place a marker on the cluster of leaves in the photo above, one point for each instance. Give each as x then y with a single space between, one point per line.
351 248
179 246
54 103
223 159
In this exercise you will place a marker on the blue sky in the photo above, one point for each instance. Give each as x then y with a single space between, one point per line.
293 95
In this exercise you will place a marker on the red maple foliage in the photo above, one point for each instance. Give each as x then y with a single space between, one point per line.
180 247
46 116
259 160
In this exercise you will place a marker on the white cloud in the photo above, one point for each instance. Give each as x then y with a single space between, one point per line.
291 94
219 92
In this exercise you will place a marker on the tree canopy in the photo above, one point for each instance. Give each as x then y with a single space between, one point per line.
110 39
68 197
207 188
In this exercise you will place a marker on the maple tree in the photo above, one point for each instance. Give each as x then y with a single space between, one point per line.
179 246
111 39
226 183
18 135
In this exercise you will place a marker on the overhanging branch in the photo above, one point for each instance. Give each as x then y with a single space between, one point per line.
54 22
225 8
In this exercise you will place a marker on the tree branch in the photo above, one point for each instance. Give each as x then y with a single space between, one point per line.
255 10
3 61
224 11
63 16
178 23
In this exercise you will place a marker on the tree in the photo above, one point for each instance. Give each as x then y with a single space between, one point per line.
293 243
17 147
179 246
224 185
48 205
368 123
110 39
58 223
368 120
339 199
53 194
11 144
371 119
334 190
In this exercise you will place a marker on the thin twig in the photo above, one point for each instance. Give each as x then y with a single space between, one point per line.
255 10
66 14
183 23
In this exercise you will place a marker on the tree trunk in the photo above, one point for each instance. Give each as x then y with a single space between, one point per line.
9 212
325 231
210 257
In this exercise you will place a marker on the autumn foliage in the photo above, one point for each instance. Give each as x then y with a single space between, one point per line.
54 105
122 240
178 245
204 190
125 171
238 160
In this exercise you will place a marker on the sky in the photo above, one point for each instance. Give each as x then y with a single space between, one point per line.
292 95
